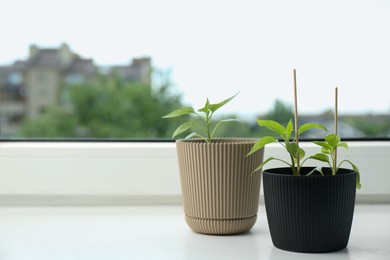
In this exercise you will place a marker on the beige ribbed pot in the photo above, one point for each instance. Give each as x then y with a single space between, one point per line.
220 195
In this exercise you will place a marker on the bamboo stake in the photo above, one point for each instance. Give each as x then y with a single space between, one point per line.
296 116
335 128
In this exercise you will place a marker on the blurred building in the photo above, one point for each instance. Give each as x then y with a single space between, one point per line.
29 87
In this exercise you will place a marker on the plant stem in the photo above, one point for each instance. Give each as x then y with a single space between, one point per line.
208 128
294 169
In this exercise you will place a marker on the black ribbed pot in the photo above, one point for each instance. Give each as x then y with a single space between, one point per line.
309 214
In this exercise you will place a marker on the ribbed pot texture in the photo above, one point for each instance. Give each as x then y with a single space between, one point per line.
220 194
310 214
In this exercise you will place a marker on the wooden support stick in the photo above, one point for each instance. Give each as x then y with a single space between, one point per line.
296 115
335 127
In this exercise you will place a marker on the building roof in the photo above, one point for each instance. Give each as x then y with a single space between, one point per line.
18 66
82 66
133 72
45 58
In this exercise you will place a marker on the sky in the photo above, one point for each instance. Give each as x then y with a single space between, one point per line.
216 48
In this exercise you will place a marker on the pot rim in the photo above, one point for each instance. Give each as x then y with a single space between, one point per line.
220 140
286 171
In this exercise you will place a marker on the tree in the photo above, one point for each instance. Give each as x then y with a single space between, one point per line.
53 123
240 128
280 112
109 108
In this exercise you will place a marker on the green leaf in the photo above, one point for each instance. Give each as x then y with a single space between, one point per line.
190 135
215 107
295 151
205 121
229 120
320 157
333 140
289 129
180 112
356 169
318 169
182 128
345 145
264 163
273 126
223 121
206 108
305 127
292 149
261 143
324 145
301 153
268 160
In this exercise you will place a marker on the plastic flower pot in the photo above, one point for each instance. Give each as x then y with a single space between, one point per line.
220 194
311 214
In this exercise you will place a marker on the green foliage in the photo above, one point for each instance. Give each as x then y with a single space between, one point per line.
284 132
241 128
280 112
370 124
203 120
109 108
297 154
49 123
328 155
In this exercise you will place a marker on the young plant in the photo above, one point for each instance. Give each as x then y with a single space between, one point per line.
203 120
328 152
328 155
292 147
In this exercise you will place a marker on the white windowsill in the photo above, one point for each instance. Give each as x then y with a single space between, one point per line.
156 232
85 173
